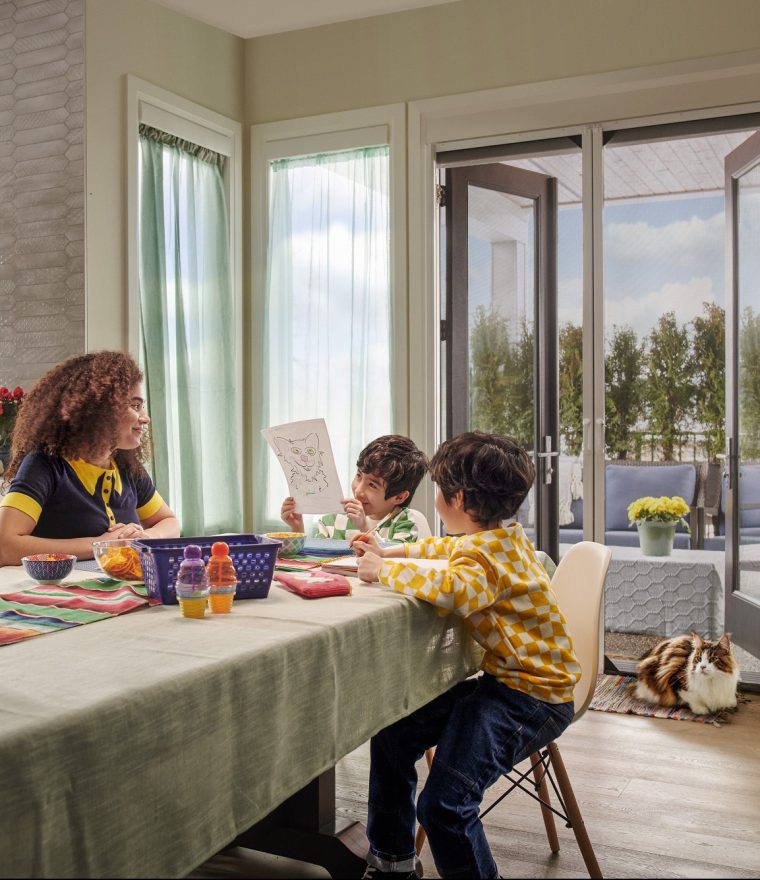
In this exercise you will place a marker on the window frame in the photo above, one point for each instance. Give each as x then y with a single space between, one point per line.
585 106
168 112
333 132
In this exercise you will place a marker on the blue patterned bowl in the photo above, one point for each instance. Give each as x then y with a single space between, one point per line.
292 542
48 568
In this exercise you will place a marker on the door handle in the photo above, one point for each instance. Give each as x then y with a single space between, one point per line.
547 455
601 425
586 435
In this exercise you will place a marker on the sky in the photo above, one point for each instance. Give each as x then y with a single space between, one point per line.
666 255
659 255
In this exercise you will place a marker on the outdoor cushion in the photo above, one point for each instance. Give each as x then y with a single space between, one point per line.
749 493
626 483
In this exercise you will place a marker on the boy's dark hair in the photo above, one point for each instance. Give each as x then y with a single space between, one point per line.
494 472
397 460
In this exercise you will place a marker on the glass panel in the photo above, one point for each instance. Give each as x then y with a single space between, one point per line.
665 311
328 306
501 318
568 170
502 280
748 381
664 299
664 307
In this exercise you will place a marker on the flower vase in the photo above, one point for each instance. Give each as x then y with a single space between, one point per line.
656 538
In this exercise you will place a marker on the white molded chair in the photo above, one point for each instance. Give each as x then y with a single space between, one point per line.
578 584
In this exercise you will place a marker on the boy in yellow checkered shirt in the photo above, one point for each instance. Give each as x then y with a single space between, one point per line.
483 726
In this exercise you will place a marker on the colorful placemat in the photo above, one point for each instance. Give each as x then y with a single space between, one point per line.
613 694
42 609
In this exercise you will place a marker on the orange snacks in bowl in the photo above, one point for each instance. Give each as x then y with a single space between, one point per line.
118 559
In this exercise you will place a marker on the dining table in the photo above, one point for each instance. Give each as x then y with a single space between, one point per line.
142 744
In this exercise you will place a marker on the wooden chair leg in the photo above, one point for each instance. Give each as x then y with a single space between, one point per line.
543 792
420 837
573 812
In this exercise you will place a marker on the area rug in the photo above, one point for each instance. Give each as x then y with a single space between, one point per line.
613 694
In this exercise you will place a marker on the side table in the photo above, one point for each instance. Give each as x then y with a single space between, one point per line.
665 595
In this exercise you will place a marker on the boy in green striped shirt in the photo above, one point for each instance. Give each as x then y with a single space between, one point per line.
388 472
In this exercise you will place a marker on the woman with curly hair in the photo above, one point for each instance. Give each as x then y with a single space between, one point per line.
76 473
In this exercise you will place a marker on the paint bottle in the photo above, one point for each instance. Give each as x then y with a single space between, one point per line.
222 578
192 583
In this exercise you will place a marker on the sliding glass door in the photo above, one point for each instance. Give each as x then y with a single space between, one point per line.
743 375
500 332
637 344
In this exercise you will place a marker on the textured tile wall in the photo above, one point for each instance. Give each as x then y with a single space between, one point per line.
41 186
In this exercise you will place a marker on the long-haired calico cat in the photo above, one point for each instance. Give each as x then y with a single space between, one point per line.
689 670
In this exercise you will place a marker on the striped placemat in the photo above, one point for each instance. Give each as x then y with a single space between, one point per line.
44 609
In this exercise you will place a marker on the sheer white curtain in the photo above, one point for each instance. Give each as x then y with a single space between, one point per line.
328 306
187 332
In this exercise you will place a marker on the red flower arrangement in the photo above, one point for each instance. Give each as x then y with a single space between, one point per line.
9 401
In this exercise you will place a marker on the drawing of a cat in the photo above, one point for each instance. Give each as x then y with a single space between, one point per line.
689 670
304 458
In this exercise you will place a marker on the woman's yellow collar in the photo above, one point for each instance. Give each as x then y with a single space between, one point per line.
89 474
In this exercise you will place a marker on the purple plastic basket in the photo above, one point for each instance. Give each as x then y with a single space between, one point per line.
253 556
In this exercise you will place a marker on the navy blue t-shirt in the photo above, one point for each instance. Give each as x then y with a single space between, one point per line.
76 499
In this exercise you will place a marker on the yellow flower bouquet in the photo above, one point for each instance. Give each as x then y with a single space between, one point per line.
662 509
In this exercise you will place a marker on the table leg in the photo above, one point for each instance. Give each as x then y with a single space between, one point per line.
305 827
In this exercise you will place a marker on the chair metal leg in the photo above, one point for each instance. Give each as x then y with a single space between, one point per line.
573 812
543 792
419 840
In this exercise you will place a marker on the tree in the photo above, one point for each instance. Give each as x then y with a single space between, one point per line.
623 369
571 388
669 384
521 394
490 357
709 348
501 377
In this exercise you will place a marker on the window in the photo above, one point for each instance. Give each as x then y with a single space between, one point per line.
328 301
329 309
185 305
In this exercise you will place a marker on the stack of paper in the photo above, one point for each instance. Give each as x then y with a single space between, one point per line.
350 564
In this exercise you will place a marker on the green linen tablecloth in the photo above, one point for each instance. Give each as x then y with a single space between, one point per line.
140 745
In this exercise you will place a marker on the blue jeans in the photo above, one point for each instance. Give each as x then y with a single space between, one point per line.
481 730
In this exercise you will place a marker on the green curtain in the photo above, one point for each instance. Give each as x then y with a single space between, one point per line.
187 333
328 306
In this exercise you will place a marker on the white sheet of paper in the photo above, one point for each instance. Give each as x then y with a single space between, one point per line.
305 455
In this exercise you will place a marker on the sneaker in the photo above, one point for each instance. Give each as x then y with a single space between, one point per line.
373 873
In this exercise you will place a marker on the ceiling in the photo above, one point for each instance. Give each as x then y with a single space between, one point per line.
658 169
255 18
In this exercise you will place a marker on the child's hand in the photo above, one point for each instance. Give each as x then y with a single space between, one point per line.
355 509
369 567
364 543
290 516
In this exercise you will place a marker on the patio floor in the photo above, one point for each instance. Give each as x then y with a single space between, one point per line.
630 646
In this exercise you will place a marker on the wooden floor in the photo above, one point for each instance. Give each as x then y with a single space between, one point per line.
660 798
